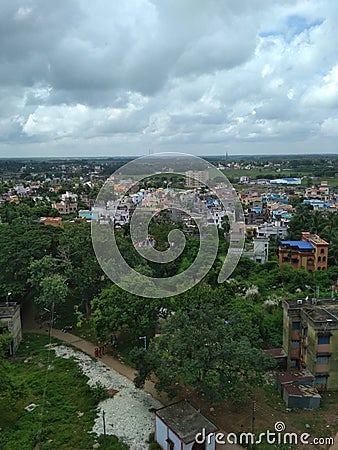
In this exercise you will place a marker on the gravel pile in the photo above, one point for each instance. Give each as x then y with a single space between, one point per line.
127 414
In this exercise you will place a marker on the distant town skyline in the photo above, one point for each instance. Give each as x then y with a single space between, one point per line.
124 78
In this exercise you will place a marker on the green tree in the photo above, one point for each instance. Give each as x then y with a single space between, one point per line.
198 349
8 387
117 310
80 266
53 290
21 242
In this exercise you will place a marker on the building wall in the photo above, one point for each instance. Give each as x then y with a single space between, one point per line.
321 257
16 329
286 334
294 401
160 433
163 432
13 325
332 382
297 258
311 350
210 443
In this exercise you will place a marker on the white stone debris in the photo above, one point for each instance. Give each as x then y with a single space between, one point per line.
127 414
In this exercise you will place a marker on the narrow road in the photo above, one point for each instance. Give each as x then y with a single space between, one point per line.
109 360
29 326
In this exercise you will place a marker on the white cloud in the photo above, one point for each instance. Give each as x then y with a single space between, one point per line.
166 72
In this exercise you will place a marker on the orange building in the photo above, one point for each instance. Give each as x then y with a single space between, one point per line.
53 221
311 252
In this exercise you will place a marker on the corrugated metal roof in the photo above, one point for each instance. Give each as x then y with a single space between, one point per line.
300 244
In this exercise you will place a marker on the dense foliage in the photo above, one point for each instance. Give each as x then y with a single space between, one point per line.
208 334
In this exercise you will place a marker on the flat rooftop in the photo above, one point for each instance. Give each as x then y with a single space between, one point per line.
318 240
309 302
185 421
294 376
301 245
322 313
8 310
275 352
299 390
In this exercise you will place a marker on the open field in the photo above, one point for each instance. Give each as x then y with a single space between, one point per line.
66 404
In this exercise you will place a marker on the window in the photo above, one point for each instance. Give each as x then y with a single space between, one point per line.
322 360
304 332
296 326
323 340
322 250
321 380
293 362
319 258
294 344
324 258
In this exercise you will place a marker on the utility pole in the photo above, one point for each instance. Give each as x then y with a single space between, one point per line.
104 422
317 292
254 409
51 311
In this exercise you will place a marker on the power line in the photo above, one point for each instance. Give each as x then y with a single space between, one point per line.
46 374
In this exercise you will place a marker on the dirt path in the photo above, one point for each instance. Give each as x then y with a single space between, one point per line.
114 364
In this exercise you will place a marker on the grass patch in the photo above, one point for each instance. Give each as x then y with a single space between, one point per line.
61 393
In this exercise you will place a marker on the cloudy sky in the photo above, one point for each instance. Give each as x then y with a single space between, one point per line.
113 77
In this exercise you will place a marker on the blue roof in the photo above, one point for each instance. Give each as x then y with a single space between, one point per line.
304 245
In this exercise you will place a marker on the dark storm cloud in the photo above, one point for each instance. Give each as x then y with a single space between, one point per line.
167 71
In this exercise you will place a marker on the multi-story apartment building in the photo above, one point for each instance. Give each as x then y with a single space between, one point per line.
196 178
310 339
65 207
311 252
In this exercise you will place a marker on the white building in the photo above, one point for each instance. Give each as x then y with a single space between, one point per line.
266 230
181 427
260 251
69 197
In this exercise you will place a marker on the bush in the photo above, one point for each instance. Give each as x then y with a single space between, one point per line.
152 444
99 392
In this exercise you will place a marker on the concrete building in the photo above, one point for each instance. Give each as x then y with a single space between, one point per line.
310 339
52 221
88 215
260 250
177 425
311 252
298 390
10 322
301 396
195 178
65 208
270 230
